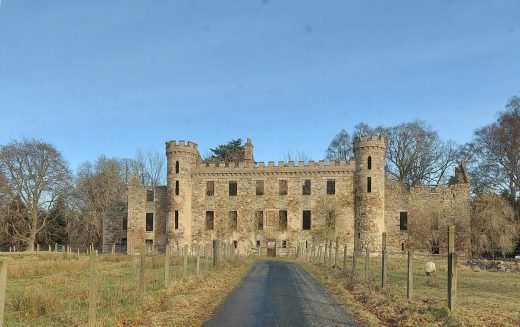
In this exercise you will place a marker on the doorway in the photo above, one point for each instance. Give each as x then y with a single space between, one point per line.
271 248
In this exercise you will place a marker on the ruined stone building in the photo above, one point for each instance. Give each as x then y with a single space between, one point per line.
250 204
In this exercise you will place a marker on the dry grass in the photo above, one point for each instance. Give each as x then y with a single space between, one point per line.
484 298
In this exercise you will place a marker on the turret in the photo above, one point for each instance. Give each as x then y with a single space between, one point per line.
369 154
248 152
181 160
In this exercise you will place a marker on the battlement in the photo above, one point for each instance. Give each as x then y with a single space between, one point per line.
182 146
373 140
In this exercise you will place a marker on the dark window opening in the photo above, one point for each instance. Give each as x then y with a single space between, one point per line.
306 223
435 247
149 195
210 188
176 219
233 188
331 219
258 243
233 220
402 247
210 220
177 168
403 220
259 187
284 243
177 187
433 189
331 187
282 219
149 222
283 187
124 241
259 220
369 184
235 244
125 222
369 162
306 187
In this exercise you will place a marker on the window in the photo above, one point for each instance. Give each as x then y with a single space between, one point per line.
282 187
149 195
235 244
232 188
177 168
149 222
306 223
433 189
435 247
259 187
257 243
124 241
233 220
331 187
176 219
177 187
369 162
403 220
306 187
125 222
210 188
284 244
282 219
402 247
259 215
331 219
210 220
369 184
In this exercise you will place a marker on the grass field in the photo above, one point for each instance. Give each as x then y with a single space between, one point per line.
483 299
52 290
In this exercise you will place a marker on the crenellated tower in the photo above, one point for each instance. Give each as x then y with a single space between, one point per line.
369 217
181 160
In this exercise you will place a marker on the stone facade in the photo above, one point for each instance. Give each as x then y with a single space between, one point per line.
248 203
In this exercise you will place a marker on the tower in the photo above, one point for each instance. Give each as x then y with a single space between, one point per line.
369 217
181 160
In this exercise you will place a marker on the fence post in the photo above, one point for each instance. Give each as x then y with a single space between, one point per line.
354 262
345 258
92 294
216 252
197 267
336 252
167 266
383 261
185 261
452 269
3 286
367 260
141 270
409 285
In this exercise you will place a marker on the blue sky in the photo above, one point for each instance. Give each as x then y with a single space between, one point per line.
108 77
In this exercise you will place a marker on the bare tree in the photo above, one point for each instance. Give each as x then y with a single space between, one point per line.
300 155
340 148
36 175
149 167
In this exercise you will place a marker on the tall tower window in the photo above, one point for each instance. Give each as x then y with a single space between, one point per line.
259 187
232 188
282 218
210 220
369 184
306 187
233 220
210 188
331 187
177 187
176 219
125 222
369 162
177 169
149 222
403 220
306 221
259 220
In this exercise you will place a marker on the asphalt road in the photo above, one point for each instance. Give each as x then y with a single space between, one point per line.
277 293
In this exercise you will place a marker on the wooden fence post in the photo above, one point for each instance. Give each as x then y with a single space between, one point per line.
383 261
3 286
354 262
367 261
409 284
197 268
345 258
336 252
452 269
167 266
325 250
141 270
92 294
216 252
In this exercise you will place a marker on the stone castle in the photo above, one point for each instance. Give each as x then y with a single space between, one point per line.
277 207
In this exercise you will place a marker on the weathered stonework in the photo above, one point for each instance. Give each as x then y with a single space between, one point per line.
356 213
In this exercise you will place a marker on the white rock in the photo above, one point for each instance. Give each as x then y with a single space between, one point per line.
429 268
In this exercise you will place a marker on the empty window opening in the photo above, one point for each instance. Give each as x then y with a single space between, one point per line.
369 184
149 246
306 221
403 220
402 247
283 187
210 220
233 220
258 244
306 245
125 222
177 188
232 188
331 187
235 244
177 168
331 219
176 219
210 188
282 219
435 247
259 187
306 187
433 189
284 244
149 195
259 220
369 162
149 222
124 241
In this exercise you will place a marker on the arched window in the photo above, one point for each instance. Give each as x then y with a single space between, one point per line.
177 167
369 184
369 162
